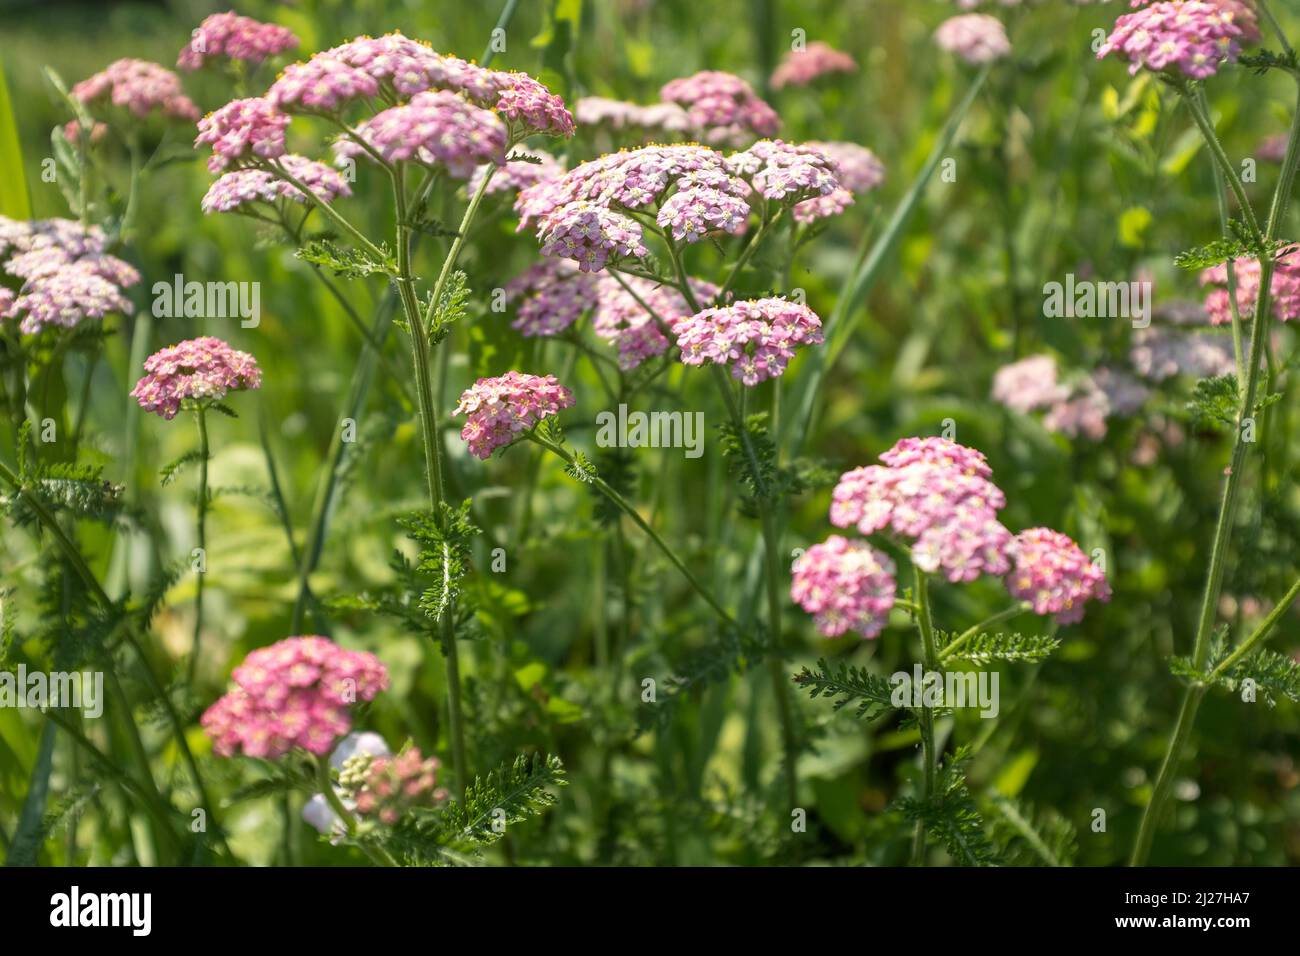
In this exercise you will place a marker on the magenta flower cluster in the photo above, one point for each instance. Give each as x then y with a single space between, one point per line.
1284 290
243 187
501 409
141 88
846 586
1053 574
67 276
393 785
721 108
974 37
198 370
754 338
817 59
1191 37
551 295
234 37
296 693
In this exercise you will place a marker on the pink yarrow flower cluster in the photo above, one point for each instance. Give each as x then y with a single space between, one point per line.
390 786
500 409
817 59
974 37
582 215
1158 353
623 321
1079 408
243 131
67 276
551 295
1284 288
243 187
721 108
785 173
198 370
1191 37
846 586
233 37
140 87
937 494
438 128
296 693
755 338
1053 574
857 170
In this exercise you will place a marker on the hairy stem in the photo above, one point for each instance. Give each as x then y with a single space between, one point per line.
201 506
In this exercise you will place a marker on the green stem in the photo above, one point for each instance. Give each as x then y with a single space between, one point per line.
626 507
202 507
1266 626
929 758
1261 316
325 780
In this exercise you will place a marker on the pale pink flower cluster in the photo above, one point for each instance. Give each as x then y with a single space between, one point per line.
1192 37
243 131
1239 12
755 338
974 37
317 811
581 215
296 693
139 87
624 322
663 119
1284 289
1053 574
68 277
1082 408
846 586
438 128
857 170
234 37
552 295
198 370
519 173
1157 354
936 493
817 59
393 785
500 409
397 67
721 108
785 173
243 187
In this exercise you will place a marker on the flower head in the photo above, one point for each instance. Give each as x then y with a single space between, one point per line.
847 586
437 128
974 37
551 296
784 172
1158 353
755 338
623 321
1284 288
1029 384
296 693
801 67
388 786
140 87
234 37
1191 37
722 108
242 187
1053 574
857 170
200 370
500 409
242 131
323 84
